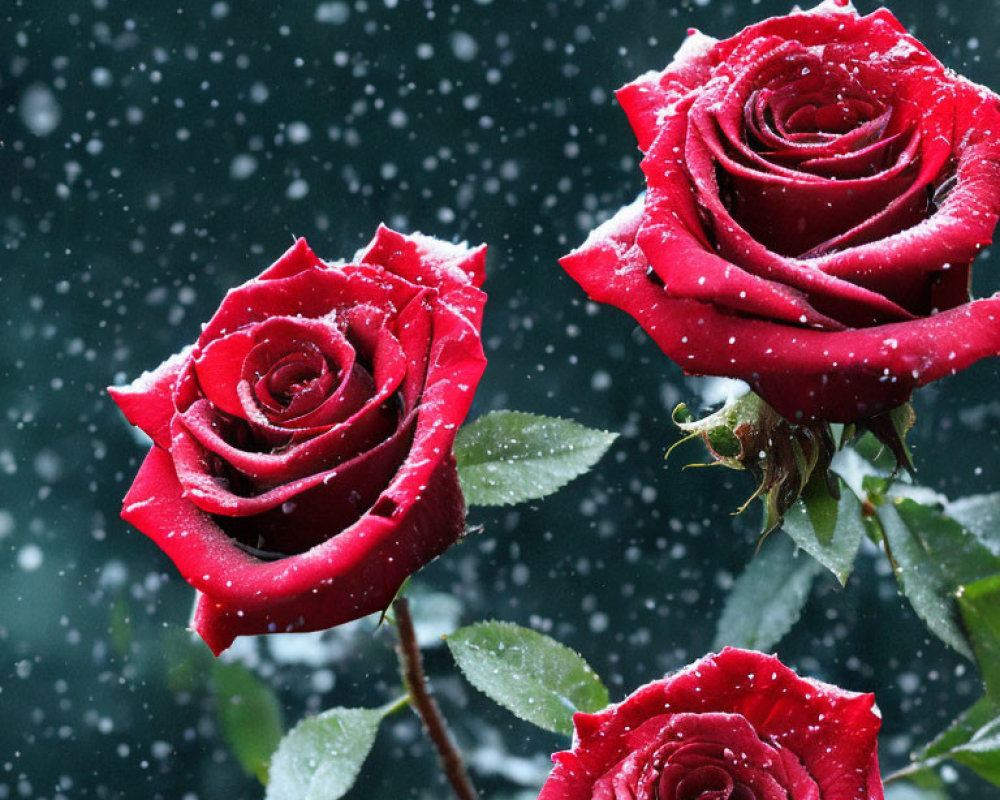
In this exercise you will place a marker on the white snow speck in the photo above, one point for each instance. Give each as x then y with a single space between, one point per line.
39 109
242 166
298 132
30 557
333 13
297 189
463 46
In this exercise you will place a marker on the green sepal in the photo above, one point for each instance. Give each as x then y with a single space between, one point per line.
747 434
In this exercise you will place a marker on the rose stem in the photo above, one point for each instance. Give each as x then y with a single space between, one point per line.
412 666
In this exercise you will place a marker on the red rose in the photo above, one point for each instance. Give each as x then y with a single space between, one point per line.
818 186
734 726
302 462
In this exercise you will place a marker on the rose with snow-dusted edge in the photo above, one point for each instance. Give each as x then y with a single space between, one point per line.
818 186
302 460
734 726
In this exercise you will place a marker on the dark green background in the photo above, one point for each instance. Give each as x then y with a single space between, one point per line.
488 121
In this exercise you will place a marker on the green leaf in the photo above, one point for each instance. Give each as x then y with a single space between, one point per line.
186 659
933 556
980 606
537 678
876 487
768 598
870 448
120 626
321 757
980 515
921 578
509 457
828 529
250 716
960 731
973 739
910 791
891 428
962 557
982 752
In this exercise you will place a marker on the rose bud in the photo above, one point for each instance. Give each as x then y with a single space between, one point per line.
734 726
302 463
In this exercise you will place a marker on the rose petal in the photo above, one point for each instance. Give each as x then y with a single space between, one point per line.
855 164
296 384
297 258
689 271
670 198
670 752
148 401
415 329
156 506
244 482
227 363
310 294
360 393
788 213
953 235
649 98
454 269
836 376
278 338
219 366
876 33
299 515
356 389
356 573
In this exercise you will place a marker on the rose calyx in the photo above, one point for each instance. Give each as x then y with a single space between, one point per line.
783 457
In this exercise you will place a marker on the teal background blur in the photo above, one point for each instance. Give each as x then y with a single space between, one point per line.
156 154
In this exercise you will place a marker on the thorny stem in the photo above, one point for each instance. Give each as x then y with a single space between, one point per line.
412 665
